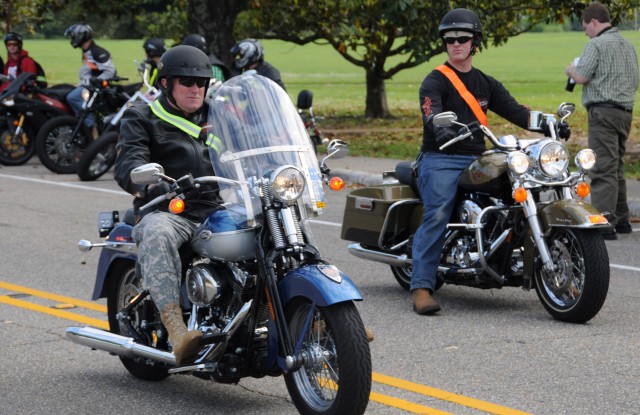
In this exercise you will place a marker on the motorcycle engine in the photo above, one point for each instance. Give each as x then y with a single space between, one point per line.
468 211
204 285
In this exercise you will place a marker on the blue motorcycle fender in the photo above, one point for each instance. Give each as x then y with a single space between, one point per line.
323 284
110 256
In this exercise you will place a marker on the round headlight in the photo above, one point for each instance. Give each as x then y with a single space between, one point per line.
86 94
518 162
585 159
554 159
287 183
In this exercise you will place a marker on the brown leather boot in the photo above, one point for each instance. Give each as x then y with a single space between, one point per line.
423 302
369 333
186 344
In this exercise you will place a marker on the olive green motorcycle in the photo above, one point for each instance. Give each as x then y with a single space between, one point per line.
520 221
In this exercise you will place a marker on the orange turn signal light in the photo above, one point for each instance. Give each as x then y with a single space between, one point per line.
583 189
520 194
176 206
336 183
597 219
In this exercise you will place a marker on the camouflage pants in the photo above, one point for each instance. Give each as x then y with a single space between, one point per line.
159 235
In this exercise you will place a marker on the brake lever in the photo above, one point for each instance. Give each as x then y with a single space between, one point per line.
455 140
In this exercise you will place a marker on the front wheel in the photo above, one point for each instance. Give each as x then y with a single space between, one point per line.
58 148
16 148
576 289
335 377
98 157
124 284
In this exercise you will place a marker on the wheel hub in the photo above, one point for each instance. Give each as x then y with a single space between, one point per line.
559 280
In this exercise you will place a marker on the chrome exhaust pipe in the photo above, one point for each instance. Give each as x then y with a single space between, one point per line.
117 344
403 260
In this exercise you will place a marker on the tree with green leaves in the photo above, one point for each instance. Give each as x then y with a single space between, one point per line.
385 37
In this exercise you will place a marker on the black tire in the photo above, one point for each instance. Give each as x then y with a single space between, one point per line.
577 291
336 377
17 150
124 284
57 149
98 157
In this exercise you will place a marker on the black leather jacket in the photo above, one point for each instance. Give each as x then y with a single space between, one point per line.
145 138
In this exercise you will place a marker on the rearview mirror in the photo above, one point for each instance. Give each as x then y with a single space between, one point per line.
337 149
566 108
147 173
445 119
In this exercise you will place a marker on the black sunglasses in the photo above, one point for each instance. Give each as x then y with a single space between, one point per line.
461 40
189 82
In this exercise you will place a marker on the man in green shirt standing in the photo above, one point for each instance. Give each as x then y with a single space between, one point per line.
608 71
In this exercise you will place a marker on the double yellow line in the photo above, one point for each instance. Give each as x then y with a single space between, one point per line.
411 407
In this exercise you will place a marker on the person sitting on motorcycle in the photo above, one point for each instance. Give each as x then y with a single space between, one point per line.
439 170
18 60
97 65
154 48
220 71
250 55
169 132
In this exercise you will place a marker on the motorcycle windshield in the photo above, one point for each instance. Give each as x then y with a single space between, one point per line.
253 129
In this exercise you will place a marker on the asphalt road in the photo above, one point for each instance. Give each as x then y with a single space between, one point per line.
493 351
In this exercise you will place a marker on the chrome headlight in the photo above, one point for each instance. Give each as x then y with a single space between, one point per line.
287 183
518 162
86 94
585 159
554 159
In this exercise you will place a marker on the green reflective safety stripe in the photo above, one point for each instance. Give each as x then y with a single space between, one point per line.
186 126
215 143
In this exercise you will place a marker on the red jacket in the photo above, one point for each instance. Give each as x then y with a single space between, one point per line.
14 67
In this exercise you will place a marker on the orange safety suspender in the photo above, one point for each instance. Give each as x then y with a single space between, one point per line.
464 93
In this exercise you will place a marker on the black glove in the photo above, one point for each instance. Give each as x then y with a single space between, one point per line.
444 135
95 81
564 131
546 129
157 189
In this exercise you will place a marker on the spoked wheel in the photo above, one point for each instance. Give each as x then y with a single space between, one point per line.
98 157
335 377
16 149
575 291
124 285
58 148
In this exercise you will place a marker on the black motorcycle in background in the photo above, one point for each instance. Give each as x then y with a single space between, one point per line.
305 109
62 140
24 107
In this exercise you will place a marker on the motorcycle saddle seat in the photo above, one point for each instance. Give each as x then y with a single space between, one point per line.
405 175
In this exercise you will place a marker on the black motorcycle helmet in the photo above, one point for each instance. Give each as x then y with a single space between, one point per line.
13 37
248 51
462 20
197 41
154 47
182 61
78 33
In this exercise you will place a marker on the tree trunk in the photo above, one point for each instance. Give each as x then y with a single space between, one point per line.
214 19
376 96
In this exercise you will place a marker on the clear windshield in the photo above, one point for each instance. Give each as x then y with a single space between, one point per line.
254 129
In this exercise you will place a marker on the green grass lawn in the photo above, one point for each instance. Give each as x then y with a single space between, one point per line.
531 66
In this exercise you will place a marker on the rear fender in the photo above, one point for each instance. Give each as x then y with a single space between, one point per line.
121 248
312 282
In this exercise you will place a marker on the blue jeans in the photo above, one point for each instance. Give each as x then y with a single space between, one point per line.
438 176
75 101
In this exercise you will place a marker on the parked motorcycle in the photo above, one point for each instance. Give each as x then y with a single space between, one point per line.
305 109
62 140
24 108
100 154
253 281
520 220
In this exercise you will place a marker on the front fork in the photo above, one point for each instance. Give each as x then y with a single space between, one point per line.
531 213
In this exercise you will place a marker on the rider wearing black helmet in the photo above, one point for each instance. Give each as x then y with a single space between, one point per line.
18 60
154 48
169 132
445 89
220 71
250 55
97 64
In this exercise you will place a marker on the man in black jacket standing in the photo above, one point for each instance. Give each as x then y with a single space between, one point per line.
169 132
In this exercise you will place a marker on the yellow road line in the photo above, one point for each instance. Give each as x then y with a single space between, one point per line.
405 405
445 396
54 297
101 324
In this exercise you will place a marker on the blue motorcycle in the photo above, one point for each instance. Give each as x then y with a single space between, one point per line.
253 283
